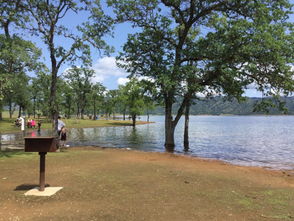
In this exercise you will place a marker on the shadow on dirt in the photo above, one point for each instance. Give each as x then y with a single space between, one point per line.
23 187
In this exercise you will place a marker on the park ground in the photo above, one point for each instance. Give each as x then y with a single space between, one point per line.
7 124
117 184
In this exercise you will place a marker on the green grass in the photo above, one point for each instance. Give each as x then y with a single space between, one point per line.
14 154
7 124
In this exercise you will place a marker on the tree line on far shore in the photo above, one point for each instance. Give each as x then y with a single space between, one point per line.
222 106
78 96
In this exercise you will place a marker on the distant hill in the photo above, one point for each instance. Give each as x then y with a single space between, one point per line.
220 105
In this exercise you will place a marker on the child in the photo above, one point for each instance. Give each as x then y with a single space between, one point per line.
39 126
33 123
63 137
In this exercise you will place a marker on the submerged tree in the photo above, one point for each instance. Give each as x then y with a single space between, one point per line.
134 98
232 44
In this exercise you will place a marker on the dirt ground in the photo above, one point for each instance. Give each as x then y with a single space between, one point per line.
113 184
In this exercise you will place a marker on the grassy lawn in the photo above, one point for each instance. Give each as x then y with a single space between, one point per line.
112 184
6 125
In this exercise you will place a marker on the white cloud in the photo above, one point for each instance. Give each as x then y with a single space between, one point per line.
122 81
105 68
146 78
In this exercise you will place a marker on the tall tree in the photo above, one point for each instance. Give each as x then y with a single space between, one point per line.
122 100
41 91
48 23
79 79
68 101
110 103
232 44
97 96
22 94
133 94
17 55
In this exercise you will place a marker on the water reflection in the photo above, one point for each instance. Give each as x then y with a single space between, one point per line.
134 137
245 140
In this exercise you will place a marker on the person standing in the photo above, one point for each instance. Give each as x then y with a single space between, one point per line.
33 123
39 126
29 123
63 137
60 125
22 127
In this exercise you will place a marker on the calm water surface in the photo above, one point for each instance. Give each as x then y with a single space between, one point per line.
265 141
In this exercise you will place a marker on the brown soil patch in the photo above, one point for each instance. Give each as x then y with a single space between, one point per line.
112 184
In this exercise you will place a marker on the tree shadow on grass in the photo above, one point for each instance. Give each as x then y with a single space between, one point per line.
118 124
26 186
9 154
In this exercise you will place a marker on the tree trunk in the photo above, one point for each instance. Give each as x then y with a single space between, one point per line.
134 116
68 110
52 100
94 114
1 108
169 127
186 128
19 111
82 113
147 116
34 107
83 105
6 29
78 110
10 109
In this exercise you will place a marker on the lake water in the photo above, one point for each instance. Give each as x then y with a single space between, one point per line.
266 141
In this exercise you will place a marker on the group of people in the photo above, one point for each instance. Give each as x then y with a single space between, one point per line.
31 123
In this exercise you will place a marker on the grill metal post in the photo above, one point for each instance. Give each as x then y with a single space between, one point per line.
42 145
42 170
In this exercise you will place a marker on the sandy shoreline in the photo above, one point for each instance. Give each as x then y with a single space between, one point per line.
121 184
188 161
288 171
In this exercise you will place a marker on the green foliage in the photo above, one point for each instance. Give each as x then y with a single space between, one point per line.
47 16
12 12
79 81
211 47
40 91
17 57
134 98
110 102
96 98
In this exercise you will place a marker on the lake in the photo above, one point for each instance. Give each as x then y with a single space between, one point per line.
265 141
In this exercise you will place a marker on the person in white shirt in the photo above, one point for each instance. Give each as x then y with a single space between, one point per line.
60 125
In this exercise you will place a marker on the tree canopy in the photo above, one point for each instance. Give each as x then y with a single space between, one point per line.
215 47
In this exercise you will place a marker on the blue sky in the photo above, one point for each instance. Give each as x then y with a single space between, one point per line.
106 71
